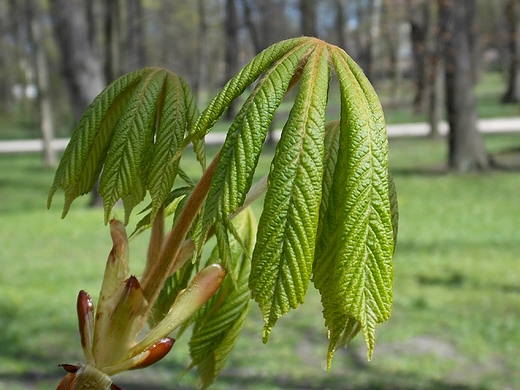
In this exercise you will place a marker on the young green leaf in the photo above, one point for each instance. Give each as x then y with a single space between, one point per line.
283 256
220 321
241 150
273 55
83 158
353 264
124 174
129 135
175 114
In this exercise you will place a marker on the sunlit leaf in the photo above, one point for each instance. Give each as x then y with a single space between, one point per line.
83 158
353 265
283 256
220 321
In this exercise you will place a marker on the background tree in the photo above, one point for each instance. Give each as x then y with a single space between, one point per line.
113 40
231 27
419 17
512 15
364 36
135 45
34 16
466 146
83 70
308 9
340 24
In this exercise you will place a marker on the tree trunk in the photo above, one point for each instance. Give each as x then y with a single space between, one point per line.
200 88
435 67
112 27
340 24
391 37
466 146
308 17
231 54
512 11
419 26
253 31
83 70
135 48
436 81
42 81
363 37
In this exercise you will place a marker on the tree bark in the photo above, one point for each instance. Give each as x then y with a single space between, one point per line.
82 69
42 81
340 24
231 54
112 30
419 26
200 88
466 146
512 13
135 48
308 17
436 87
436 83
363 37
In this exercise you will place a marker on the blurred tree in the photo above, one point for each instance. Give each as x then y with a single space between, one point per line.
340 24
7 56
308 14
457 25
231 30
34 17
419 18
363 35
135 57
435 74
82 69
392 18
267 22
201 81
113 40
512 18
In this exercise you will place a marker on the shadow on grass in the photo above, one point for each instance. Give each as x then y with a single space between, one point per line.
381 381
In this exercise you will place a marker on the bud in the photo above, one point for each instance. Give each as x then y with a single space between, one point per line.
199 291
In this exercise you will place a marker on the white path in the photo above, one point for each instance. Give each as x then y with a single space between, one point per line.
495 125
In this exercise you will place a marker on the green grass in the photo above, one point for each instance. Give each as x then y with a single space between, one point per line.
454 323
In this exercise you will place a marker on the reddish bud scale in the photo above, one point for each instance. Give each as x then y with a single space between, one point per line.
156 352
85 310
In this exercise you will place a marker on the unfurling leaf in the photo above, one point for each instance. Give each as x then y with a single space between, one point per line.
353 264
129 135
283 256
220 321
330 209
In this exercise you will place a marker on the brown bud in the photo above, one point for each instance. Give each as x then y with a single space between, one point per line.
155 352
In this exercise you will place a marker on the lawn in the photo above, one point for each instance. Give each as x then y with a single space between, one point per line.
454 323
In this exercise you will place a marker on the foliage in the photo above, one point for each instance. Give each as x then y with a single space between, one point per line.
329 212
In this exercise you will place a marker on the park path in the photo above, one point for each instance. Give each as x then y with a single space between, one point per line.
494 125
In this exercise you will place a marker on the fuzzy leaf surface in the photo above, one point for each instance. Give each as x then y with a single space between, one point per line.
84 155
283 256
220 321
353 266
129 134
239 155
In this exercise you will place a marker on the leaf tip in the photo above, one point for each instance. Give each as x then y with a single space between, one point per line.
266 332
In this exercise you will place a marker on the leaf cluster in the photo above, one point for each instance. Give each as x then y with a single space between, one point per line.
330 211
